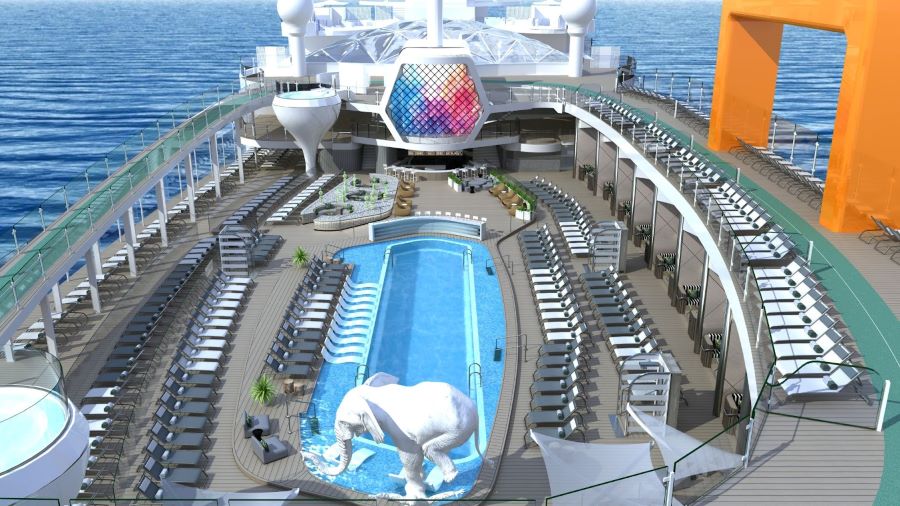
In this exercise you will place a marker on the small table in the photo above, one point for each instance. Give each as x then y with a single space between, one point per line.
289 386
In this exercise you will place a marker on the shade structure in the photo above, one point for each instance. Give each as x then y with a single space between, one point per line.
587 473
699 457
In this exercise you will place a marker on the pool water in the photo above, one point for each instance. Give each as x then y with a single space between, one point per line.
30 420
440 311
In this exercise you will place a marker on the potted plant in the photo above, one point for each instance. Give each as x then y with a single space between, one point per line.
623 211
300 257
263 390
607 189
583 171
455 182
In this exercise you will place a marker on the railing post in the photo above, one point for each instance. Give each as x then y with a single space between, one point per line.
672 87
750 425
41 215
793 144
774 128
670 487
759 326
91 216
881 409
66 197
15 239
656 81
675 114
809 252
815 155
87 180
701 98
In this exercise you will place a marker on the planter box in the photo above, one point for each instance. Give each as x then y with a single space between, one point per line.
523 215
592 183
452 184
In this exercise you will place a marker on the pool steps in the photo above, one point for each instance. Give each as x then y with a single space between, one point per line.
348 336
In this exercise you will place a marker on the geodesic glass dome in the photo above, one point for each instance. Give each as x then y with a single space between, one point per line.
488 45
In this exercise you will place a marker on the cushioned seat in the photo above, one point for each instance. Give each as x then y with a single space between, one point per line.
277 449
260 422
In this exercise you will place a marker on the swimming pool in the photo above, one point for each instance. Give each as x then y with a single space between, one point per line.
440 311
30 419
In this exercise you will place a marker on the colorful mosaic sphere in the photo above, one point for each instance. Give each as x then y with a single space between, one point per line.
434 100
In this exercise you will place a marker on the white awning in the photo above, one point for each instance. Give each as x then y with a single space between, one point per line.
674 444
574 466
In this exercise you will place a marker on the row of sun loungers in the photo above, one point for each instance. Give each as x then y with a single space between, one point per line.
302 199
573 220
185 409
252 207
298 346
109 403
557 391
763 155
802 325
613 306
885 239
146 243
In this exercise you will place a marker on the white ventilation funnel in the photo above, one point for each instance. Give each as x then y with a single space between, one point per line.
578 15
307 115
295 15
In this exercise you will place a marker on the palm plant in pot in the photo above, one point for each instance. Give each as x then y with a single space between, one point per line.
300 257
263 390
607 189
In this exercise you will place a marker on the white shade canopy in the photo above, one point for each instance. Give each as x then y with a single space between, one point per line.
575 466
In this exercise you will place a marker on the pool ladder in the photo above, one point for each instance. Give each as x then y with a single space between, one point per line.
362 371
474 372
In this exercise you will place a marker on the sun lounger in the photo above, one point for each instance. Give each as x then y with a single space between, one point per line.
834 382
563 359
564 432
293 370
178 439
188 378
557 372
289 357
558 418
183 475
201 355
177 423
177 458
187 392
553 402
184 407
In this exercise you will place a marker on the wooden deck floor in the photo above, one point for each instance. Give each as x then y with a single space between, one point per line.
794 461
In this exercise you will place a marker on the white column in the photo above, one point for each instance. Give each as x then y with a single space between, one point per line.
189 176
98 262
238 151
214 161
161 209
8 351
92 281
57 298
49 330
435 23
576 54
678 246
130 241
297 49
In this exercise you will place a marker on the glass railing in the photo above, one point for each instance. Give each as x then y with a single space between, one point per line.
45 235
691 97
646 487
32 391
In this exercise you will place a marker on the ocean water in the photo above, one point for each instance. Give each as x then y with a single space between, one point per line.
80 76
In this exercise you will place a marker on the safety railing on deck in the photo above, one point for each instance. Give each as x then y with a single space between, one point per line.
81 204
